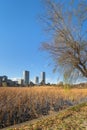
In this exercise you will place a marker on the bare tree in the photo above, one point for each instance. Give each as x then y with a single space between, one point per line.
66 23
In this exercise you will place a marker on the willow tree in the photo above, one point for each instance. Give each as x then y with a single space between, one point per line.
66 24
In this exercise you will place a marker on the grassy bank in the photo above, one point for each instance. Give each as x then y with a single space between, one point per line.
74 118
18 105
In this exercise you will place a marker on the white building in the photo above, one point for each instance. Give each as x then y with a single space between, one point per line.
36 80
21 82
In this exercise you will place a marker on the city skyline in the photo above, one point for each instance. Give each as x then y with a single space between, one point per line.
25 80
21 37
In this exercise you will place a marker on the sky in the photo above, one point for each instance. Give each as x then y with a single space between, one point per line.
21 36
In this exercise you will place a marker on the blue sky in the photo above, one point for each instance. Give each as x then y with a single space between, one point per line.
21 35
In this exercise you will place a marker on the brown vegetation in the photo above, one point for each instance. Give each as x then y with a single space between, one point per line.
73 118
21 104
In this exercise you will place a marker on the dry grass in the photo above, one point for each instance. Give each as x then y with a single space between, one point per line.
21 104
74 118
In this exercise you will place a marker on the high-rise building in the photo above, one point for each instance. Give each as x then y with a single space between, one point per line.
43 77
36 80
26 77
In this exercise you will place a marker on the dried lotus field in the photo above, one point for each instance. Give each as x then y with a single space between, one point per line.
21 104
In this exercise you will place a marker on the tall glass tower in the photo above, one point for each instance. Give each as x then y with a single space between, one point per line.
26 77
43 77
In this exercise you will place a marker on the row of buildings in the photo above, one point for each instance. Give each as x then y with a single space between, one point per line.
25 81
4 81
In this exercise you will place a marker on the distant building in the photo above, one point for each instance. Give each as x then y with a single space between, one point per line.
36 80
11 83
26 77
4 78
43 76
4 81
21 82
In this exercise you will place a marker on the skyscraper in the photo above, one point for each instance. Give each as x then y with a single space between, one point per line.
36 80
26 77
43 77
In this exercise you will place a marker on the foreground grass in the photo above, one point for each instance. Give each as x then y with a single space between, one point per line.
18 105
74 118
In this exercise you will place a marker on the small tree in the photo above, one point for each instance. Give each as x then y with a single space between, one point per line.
4 84
66 23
